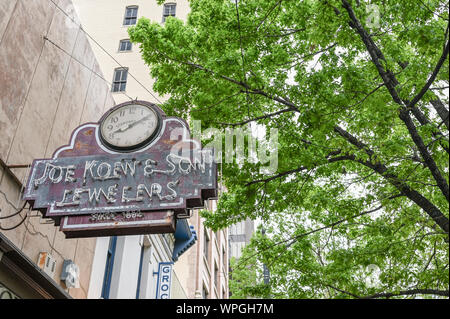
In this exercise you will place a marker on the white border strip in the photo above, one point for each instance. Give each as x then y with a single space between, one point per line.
109 224
111 208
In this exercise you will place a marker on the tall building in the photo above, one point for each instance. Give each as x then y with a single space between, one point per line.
199 272
121 62
240 235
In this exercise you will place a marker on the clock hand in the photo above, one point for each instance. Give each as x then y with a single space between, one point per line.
138 121
122 128
129 125
125 127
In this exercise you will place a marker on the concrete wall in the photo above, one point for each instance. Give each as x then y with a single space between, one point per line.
49 87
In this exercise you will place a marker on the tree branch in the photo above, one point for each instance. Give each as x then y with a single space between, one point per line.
266 180
429 161
404 188
438 106
416 197
375 53
302 168
390 82
409 292
297 61
267 15
431 11
248 89
441 110
431 79
394 294
258 118
435 213
343 291
206 108
294 238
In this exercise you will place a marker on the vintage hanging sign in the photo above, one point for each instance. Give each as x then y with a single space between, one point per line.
133 172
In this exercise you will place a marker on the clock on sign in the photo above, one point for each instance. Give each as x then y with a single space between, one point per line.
130 126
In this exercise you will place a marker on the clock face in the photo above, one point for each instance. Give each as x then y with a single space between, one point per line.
129 127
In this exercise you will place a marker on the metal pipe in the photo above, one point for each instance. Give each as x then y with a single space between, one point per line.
19 166
7 168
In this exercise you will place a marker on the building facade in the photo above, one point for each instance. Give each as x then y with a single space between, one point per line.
125 267
239 236
198 272
204 267
51 83
121 62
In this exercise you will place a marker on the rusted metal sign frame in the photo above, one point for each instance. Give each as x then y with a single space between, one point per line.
189 178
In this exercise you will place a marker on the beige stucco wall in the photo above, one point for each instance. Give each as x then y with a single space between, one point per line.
103 20
48 89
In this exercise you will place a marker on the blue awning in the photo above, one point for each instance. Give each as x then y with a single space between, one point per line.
185 237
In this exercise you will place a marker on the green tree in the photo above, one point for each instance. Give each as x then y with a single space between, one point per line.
244 281
358 93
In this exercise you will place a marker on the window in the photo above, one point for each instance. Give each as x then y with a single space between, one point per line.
266 274
125 45
206 246
216 276
217 235
169 10
224 257
120 80
141 261
204 293
130 15
109 267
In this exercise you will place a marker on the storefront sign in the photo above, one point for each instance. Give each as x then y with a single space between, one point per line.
113 174
118 183
164 280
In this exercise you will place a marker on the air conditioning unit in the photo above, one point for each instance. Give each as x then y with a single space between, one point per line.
47 263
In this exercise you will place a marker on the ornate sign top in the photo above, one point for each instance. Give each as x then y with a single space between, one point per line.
135 160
